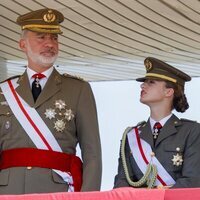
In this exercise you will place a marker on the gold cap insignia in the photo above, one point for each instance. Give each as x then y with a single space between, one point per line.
148 65
49 17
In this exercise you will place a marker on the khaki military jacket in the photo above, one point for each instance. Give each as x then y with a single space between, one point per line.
82 129
176 136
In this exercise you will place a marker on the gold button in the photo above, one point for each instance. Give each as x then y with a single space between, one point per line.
29 167
152 154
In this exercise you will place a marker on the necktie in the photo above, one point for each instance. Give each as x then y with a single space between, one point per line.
156 130
36 87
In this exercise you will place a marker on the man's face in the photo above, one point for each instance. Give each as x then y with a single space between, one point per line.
40 48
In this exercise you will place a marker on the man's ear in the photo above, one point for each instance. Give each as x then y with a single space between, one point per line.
22 45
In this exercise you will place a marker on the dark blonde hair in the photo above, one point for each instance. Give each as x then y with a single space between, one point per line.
180 103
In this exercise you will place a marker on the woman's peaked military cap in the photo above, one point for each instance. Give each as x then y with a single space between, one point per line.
159 70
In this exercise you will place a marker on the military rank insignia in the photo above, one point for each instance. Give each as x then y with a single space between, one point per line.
177 158
60 114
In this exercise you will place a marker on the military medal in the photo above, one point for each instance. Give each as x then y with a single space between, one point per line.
37 81
156 129
69 114
59 125
50 113
178 158
60 104
60 115
155 133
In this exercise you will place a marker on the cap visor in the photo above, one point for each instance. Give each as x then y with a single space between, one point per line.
141 79
150 78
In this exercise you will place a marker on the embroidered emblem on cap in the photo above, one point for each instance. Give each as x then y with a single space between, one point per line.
49 17
148 65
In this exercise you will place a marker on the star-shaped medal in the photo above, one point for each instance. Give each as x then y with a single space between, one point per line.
60 104
177 160
69 114
50 113
59 125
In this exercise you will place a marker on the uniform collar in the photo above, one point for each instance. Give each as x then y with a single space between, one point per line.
31 72
162 121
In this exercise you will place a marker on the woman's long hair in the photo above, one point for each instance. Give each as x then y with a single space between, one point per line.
180 103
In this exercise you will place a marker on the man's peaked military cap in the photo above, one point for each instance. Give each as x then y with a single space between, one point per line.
43 20
159 70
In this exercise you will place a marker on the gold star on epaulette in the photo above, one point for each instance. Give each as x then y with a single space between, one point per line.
73 76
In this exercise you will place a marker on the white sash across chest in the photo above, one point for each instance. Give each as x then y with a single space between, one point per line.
142 154
33 124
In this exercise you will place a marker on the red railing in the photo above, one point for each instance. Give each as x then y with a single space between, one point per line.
116 194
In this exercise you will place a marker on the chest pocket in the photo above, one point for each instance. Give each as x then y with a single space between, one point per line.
174 159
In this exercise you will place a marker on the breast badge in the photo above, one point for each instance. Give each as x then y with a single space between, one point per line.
50 113
59 125
177 158
59 114
7 125
68 114
60 104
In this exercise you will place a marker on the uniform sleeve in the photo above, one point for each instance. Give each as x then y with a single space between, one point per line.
89 140
191 161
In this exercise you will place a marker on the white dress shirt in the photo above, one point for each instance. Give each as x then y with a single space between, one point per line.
42 81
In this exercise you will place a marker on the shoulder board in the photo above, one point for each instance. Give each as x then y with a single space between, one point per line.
142 123
72 76
10 78
187 120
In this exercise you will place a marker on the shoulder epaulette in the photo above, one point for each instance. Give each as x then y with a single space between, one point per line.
142 123
10 78
73 76
187 120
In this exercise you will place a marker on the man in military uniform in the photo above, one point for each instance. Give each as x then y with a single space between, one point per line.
43 116
164 151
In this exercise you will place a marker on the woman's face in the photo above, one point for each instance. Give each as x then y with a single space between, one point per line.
154 92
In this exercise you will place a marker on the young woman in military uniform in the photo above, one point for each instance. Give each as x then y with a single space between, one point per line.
164 151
